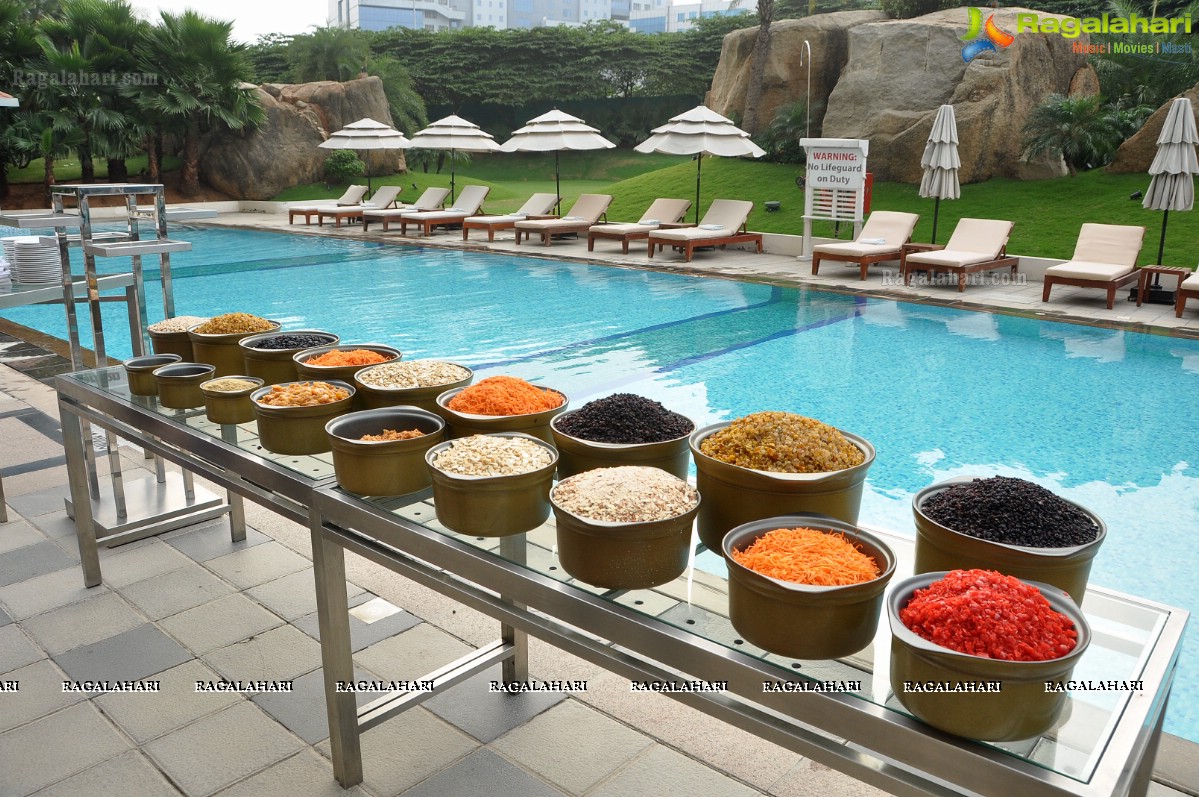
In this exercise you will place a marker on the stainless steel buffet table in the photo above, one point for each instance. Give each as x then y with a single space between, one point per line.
1104 744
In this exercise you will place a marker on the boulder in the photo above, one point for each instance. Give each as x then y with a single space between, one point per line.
1136 154
786 80
900 71
285 150
1085 82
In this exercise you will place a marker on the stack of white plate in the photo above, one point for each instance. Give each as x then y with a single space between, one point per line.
34 262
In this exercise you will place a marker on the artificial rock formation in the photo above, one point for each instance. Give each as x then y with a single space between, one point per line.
786 81
900 71
1137 153
285 151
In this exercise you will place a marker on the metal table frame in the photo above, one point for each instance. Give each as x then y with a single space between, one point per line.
864 739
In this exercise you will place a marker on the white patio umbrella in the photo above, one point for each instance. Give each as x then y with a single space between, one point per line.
8 101
366 134
1173 169
700 131
555 131
455 134
941 162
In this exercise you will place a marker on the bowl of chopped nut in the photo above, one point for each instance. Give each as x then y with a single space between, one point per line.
492 485
291 416
382 451
415 383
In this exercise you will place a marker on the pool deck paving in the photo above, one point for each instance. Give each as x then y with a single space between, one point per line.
191 605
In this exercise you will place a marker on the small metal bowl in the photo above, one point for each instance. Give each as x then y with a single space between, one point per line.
179 384
230 406
140 371
383 467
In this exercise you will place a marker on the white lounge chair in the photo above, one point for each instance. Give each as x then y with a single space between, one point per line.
723 224
352 196
662 213
881 239
1104 257
431 199
586 211
976 245
537 205
1187 289
468 204
385 197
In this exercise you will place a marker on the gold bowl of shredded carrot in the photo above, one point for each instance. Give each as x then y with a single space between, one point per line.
501 404
342 360
806 586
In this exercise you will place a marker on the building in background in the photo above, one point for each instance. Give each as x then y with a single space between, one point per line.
439 15
660 16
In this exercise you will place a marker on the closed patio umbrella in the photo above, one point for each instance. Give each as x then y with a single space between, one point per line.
1173 169
455 134
366 134
700 131
555 131
941 162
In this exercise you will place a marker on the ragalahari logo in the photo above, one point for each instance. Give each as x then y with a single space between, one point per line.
983 37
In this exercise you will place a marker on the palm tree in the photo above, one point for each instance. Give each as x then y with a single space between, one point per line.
327 54
19 48
757 66
1081 129
88 48
200 74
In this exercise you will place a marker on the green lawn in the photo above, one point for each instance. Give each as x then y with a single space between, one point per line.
68 169
1047 213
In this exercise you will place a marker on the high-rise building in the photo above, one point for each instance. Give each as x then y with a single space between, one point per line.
451 14
660 16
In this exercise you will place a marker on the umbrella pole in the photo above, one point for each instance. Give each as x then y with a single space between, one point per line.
453 172
1161 248
936 212
557 184
699 160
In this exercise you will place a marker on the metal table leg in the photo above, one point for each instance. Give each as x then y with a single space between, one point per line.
85 529
329 567
237 506
515 668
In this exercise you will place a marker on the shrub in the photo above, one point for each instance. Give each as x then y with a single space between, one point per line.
342 166
906 9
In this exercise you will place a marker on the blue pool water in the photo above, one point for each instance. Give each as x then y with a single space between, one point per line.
1102 417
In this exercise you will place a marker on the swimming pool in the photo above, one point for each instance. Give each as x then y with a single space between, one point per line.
1103 417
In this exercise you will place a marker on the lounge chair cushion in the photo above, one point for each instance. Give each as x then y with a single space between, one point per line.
724 218
621 229
1190 284
1088 270
693 233
890 226
946 257
586 211
507 218
854 249
1109 243
979 236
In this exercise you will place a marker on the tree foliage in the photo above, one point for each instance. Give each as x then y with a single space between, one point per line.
1083 130
342 166
327 54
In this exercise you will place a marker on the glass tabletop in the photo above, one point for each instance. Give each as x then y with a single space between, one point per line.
1125 630
1124 633
113 382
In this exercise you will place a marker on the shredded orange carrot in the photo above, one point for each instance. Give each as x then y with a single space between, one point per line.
348 357
808 556
504 395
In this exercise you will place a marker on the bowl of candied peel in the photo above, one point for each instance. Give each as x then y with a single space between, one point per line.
973 652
